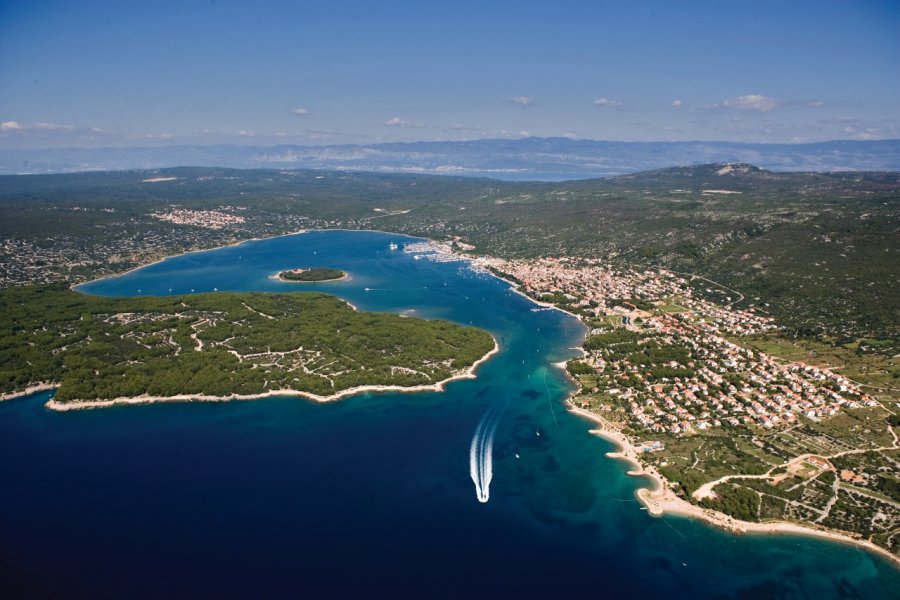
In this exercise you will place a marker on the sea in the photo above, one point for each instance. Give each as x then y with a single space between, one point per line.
488 489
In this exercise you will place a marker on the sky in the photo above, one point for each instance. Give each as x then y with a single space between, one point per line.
85 73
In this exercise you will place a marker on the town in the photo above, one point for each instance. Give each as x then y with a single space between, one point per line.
662 355
670 371
211 219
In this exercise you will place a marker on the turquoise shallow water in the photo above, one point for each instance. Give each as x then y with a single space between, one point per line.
371 494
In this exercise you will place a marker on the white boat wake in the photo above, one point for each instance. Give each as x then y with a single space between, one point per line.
481 454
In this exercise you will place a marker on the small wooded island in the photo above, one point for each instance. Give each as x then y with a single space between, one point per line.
311 275
99 351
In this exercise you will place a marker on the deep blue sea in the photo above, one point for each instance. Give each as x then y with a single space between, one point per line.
369 496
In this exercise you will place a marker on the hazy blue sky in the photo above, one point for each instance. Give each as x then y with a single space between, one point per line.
111 73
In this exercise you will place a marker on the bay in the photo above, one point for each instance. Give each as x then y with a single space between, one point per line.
372 494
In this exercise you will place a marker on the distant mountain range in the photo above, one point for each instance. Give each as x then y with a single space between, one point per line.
548 159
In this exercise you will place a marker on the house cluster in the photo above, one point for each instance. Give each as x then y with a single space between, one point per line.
719 383
210 219
591 285
24 262
726 320
650 446
723 383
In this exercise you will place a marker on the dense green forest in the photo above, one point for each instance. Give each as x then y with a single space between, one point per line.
218 344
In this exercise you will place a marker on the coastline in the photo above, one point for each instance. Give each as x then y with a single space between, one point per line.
661 500
515 287
278 277
53 404
468 373
32 389
75 286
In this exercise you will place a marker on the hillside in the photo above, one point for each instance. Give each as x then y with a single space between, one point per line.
818 251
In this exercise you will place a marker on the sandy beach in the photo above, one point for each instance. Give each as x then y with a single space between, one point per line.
660 499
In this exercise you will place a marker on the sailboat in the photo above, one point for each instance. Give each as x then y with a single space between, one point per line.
393 246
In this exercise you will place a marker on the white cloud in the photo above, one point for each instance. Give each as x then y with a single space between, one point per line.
300 111
461 128
54 126
864 129
756 102
571 135
869 134
607 102
523 101
244 133
677 103
398 122
513 134
815 103
42 126
320 135
42 130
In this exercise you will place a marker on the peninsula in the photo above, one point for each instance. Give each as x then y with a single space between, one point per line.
99 351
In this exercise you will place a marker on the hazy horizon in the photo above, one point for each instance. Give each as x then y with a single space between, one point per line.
267 143
537 159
